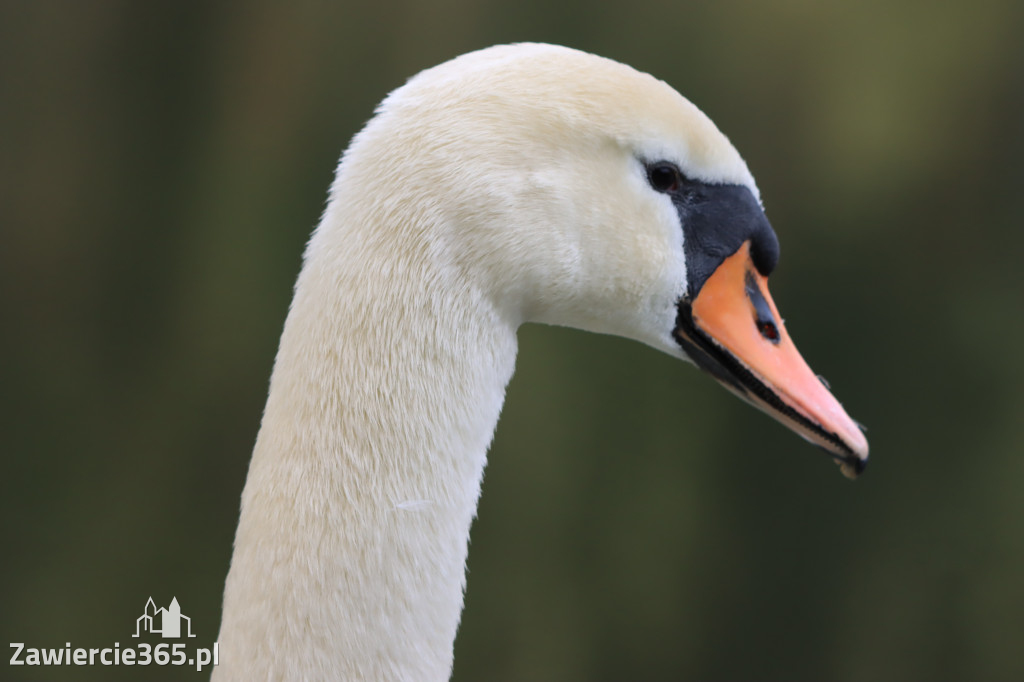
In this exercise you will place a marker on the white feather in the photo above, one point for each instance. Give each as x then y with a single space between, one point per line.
502 187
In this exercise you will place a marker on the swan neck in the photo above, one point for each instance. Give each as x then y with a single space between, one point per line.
350 553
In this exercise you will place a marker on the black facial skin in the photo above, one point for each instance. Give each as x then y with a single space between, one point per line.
717 219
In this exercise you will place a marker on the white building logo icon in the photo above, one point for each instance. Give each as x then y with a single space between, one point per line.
169 620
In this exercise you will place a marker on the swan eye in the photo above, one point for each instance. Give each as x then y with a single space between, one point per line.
664 177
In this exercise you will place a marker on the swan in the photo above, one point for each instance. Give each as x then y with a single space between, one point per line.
520 183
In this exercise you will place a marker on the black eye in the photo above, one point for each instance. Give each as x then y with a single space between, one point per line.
664 177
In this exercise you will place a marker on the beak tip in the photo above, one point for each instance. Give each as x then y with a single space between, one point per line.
853 465
854 460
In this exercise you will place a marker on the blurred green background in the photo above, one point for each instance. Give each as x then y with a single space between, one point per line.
162 164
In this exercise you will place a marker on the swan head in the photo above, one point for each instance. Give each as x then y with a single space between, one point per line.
574 190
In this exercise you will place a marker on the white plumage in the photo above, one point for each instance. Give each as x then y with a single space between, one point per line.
503 187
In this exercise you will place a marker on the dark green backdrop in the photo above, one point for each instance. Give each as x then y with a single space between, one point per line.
162 164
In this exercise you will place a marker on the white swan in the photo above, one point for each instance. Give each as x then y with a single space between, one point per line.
514 184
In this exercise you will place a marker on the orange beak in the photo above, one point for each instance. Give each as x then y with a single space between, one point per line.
733 330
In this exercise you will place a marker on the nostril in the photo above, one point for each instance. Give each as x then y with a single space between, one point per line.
768 330
764 320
